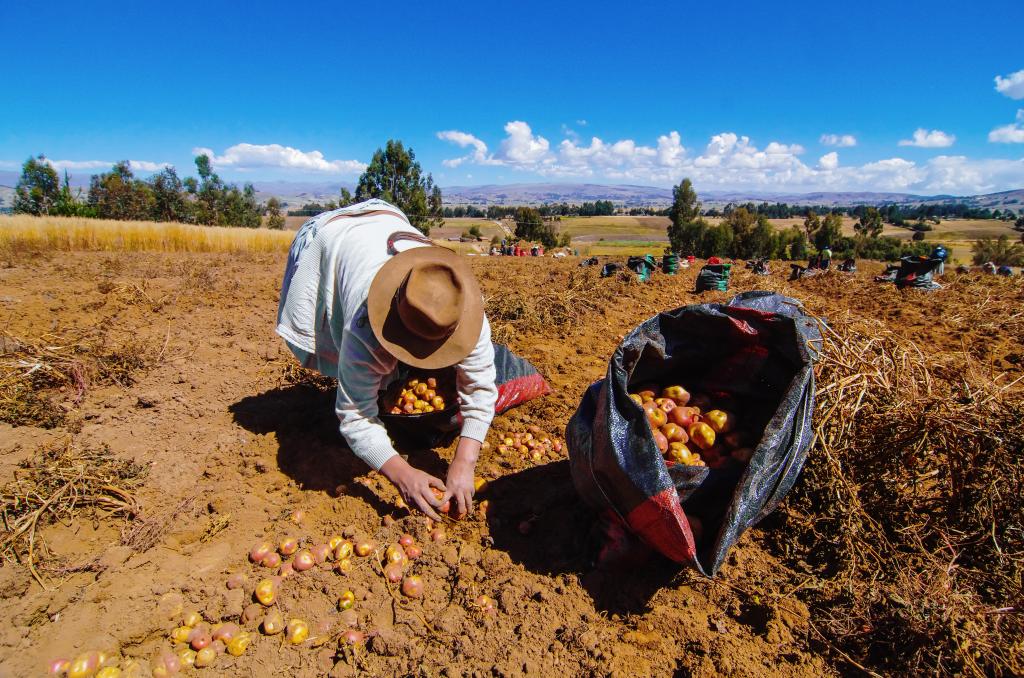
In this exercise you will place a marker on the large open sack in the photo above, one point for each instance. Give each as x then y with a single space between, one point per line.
516 378
757 351
917 272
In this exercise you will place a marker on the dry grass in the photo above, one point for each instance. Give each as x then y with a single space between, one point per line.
910 513
55 485
24 234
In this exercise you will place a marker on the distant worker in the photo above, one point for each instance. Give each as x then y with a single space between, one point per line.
826 258
988 267
1004 270
364 290
940 253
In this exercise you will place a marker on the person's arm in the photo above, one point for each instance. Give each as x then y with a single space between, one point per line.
361 370
475 377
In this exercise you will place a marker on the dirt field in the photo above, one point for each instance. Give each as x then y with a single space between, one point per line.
233 440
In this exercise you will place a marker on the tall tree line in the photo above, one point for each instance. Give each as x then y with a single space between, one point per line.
393 175
119 194
742 233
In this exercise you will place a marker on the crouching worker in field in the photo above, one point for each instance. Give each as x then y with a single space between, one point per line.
364 290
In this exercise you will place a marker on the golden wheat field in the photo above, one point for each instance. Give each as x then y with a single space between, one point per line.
66 234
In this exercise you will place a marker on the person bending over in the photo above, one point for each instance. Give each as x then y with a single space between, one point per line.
363 290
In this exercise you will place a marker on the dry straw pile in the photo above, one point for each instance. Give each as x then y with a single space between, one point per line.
909 518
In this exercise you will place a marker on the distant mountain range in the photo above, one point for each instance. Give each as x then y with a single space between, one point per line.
295 193
628 195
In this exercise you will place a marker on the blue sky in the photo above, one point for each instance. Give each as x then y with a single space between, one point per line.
793 96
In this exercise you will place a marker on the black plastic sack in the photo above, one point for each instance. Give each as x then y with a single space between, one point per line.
642 266
757 351
917 272
610 269
516 378
714 277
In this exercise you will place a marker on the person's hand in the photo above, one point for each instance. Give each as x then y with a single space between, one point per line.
460 486
414 485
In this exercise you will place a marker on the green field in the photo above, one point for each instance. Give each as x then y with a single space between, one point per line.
626 236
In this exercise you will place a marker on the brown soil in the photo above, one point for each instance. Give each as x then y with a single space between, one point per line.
234 442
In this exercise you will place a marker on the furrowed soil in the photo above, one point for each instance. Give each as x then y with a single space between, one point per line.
235 439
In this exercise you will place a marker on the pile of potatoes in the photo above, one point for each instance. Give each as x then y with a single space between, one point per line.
691 430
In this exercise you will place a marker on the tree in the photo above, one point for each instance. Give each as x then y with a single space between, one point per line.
346 198
436 204
1019 224
219 204
169 202
715 241
38 188
530 225
208 191
830 231
274 218
743 223
1000 251
117 194
686 231
812 223
798 245
394 175
240 208
869 224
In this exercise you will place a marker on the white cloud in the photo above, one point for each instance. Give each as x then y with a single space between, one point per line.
147 166
670 151
1012 85
522 146
733 161
1009 134
839 140
581 122
135 165
933 139
250 156
463 140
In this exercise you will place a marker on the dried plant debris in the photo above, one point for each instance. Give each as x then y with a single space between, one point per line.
40 381
58 483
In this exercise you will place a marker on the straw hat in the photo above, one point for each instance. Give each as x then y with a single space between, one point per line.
425 307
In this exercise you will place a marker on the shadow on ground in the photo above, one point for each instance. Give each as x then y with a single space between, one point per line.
537 517
311 451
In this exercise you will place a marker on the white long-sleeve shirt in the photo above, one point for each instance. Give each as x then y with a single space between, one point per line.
322 313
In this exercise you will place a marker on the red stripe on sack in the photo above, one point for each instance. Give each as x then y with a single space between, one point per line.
753 313
743 326
519 390
661 523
